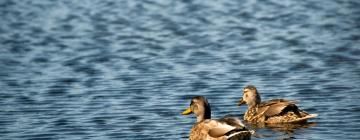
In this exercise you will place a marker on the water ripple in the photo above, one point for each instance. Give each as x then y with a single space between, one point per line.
106 69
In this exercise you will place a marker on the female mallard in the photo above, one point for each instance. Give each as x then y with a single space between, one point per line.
272 111
207 129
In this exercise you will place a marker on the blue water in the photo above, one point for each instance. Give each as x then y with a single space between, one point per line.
117 69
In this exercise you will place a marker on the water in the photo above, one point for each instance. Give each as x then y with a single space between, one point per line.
111 69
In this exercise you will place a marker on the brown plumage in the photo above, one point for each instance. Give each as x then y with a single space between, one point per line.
272 111
227 128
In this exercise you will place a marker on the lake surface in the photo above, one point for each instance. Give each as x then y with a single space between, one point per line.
117 69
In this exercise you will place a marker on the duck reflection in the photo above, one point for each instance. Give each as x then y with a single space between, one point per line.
287 128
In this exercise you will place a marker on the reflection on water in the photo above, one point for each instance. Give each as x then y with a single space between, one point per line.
106 69
288 130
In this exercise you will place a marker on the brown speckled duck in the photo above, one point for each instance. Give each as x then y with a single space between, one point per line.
272 111
227 128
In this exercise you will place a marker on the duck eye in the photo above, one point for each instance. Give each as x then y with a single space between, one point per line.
195 107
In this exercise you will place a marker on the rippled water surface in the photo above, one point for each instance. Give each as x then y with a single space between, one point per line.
117 69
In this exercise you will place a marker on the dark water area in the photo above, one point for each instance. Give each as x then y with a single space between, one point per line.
117 69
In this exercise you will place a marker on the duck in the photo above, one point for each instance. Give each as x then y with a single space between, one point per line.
275 111
205 128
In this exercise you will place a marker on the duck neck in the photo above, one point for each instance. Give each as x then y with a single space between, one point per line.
255 102
202 118
199 118
253 105
206 115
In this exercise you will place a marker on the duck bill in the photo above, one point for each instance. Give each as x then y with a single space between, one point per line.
187 111
241 102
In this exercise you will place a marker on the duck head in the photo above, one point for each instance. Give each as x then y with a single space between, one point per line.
251 96
200 107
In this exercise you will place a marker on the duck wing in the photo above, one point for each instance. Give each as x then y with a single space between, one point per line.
232 121
274 101
227 126
276 106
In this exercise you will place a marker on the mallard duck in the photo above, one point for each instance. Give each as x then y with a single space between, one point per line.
205 128
272 111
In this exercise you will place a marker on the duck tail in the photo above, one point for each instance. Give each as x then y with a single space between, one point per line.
303 119
311 116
